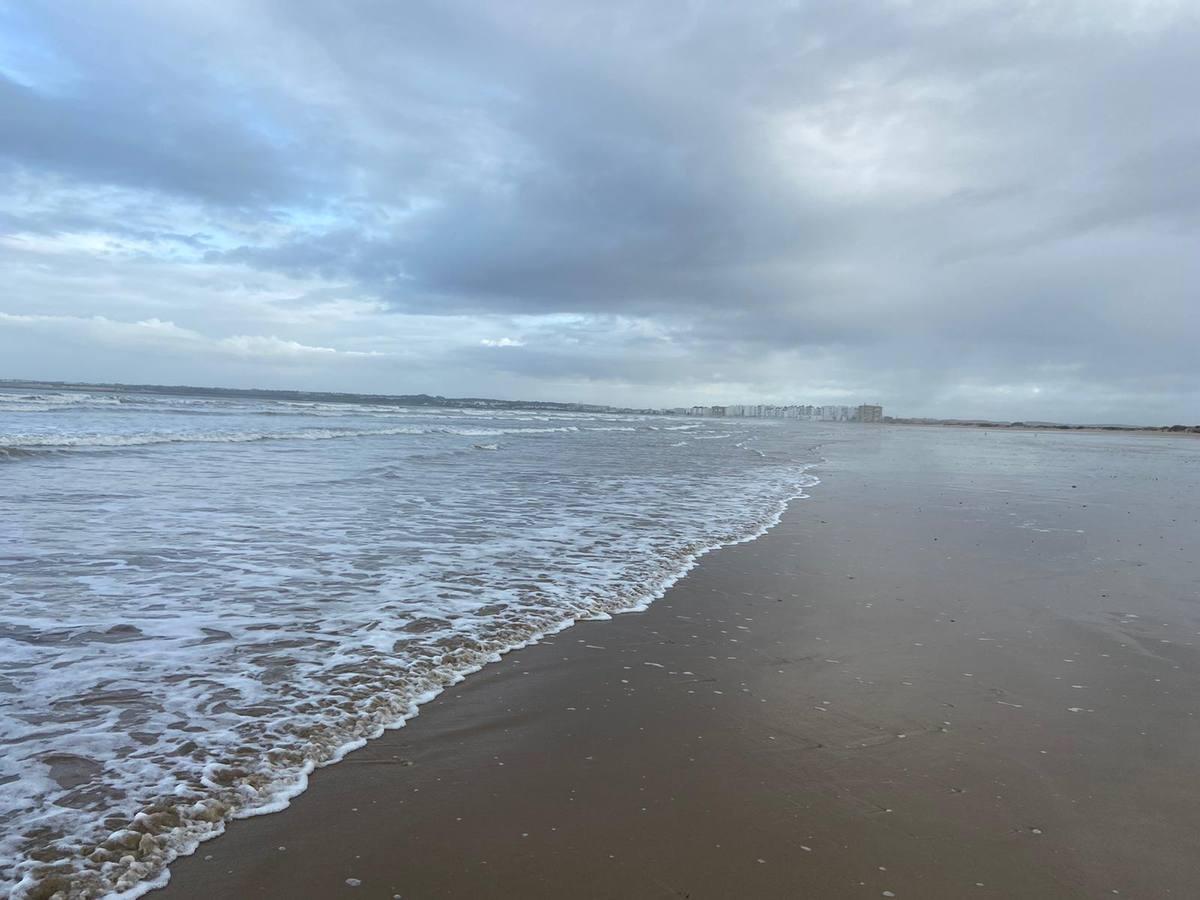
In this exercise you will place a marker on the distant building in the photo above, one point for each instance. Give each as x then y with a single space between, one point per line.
864 413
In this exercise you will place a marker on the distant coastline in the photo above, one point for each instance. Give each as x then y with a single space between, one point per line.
315 396
435 400
1044 426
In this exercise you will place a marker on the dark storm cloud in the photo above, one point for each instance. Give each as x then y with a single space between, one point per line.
110 139
924 200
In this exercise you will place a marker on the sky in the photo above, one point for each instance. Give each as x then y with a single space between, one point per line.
956 209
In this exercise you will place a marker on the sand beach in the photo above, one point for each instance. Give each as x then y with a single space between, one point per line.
948 673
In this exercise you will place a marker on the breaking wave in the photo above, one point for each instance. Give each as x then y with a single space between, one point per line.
186 636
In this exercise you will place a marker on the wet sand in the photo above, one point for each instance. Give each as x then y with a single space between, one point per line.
936 678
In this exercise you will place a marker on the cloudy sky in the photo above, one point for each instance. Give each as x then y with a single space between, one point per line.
955 208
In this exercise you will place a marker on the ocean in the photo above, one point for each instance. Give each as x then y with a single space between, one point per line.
202 599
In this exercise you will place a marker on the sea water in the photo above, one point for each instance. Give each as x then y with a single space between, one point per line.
204 598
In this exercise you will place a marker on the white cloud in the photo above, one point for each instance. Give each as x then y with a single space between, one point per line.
273 347
168 337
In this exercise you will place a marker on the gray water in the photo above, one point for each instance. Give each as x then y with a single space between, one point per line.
202 599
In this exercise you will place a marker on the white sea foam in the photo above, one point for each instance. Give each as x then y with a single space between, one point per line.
16 444
188 630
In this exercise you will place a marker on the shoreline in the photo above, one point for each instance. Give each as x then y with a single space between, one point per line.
855 702
284 796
